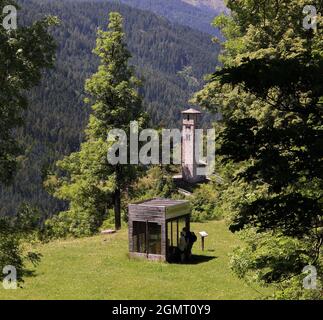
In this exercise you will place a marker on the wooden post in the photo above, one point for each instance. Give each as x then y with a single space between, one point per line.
147 239
117 209
177 242
203 235
188 227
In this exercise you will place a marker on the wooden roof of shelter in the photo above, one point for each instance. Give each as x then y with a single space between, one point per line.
161 202
165 208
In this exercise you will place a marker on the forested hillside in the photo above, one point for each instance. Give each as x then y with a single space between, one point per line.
172 59
217 5
185 12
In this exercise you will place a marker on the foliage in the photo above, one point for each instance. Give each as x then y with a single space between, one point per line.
77 223
91 183
57 115
10 249
82 185
109 222
20 70
28 223
269 94
21 65
15 232
156 183
271 258
204 203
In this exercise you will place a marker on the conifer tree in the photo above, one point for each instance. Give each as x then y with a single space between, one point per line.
92 184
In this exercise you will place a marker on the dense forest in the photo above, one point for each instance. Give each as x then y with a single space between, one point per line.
171 59
182 12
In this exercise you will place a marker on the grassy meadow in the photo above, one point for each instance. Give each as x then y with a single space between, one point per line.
99 268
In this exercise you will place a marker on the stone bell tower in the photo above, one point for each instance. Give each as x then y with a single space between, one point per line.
189 163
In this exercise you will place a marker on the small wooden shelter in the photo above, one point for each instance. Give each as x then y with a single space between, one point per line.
155 226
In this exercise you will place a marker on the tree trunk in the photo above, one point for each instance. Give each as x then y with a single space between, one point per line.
117 209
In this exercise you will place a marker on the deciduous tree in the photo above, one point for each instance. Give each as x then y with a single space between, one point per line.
270 94
24 52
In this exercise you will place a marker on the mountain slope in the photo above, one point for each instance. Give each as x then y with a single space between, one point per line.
184 12
216 5
57 115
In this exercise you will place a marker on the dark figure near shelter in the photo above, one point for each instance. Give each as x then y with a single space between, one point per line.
190 238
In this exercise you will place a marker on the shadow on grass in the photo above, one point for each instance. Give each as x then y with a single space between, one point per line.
28 273
196 259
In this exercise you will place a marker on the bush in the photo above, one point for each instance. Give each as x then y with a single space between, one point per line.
10 249
78 223
157 183
14 233
72 223
204 204
29 223
109 222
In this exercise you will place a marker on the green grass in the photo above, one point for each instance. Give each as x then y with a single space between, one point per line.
99 268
